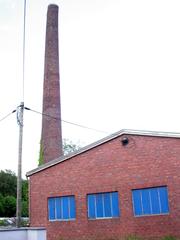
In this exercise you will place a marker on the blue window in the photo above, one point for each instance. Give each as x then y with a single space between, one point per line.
61 208
150 201
103 205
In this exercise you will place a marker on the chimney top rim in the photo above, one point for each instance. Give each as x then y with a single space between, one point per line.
53 5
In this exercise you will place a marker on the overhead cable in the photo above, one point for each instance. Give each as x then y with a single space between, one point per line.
65 121
24 47
7 115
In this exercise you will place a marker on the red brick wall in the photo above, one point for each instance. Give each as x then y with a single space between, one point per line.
145 162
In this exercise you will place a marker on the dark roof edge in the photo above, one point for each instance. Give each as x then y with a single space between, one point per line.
101 141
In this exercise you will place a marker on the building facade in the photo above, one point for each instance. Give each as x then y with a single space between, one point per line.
125 184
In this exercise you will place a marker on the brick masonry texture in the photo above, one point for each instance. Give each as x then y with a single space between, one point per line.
51 136
146 161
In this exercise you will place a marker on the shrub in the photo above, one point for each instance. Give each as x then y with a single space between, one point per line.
133 237
10 206
3 223
168 238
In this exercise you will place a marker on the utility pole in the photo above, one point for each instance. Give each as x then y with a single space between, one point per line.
20 111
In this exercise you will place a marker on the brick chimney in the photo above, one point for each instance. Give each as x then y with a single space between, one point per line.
51 136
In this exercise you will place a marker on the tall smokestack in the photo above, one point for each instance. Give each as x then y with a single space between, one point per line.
51 138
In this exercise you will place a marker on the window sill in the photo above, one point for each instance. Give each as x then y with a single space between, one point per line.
62 220
103 218
152 215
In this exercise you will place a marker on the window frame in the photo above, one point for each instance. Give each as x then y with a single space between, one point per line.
151 214
60 198
103 206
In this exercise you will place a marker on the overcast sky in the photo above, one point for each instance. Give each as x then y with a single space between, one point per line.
119 68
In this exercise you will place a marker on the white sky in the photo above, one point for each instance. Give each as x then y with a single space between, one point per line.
119 67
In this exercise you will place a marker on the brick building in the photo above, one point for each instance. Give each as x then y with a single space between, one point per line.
125 184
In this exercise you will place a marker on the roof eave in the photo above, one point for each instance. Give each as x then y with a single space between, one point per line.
102 141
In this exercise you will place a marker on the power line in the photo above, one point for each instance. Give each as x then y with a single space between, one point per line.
24 45
65 121
7 115
78 125
20 111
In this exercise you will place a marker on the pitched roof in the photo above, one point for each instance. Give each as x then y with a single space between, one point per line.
101 141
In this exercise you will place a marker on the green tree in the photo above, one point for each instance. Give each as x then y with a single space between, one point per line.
69 146
25 190
1 205
25 199
25 208
8 187
10 206
8 183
